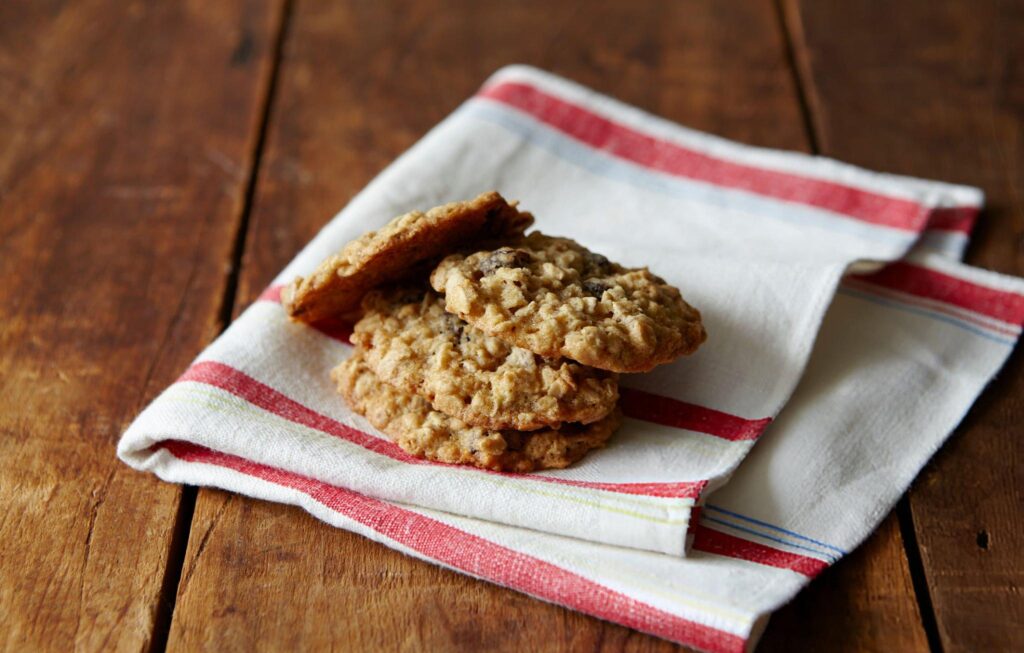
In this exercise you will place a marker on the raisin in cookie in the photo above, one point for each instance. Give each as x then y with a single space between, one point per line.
556 298
336 287
412 343
426 433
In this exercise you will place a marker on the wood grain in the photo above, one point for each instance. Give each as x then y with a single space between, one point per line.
360 83
864 603
936 89
125 136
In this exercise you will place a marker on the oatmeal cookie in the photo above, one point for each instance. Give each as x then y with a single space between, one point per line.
412 343
336 287
556 298
426 433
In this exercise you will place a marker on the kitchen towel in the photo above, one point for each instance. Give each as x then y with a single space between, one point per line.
902 355
757 239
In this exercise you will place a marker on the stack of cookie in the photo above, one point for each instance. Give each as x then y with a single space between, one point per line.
509 358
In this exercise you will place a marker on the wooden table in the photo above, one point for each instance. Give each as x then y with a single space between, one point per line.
159 162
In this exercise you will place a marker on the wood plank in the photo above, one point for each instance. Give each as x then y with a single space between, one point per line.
125 137
864 603
936 89
360 83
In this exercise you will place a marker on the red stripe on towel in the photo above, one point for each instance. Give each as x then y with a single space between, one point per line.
954 218
682 415
709 540
271 294
632 145
916 280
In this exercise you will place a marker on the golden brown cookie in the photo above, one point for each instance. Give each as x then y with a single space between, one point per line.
413 344
426 433
556 298
336 287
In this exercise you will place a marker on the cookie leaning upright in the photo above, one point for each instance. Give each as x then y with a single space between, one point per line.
554 297
389 254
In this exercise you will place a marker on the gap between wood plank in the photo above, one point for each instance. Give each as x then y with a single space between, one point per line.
917 575
801 78
172 572
799 65
238 250
187 505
